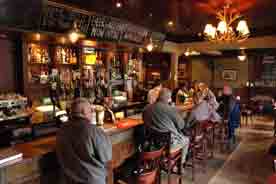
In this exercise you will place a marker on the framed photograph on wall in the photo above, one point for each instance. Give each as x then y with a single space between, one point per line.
229 75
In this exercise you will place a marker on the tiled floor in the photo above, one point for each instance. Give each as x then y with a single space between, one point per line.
248 163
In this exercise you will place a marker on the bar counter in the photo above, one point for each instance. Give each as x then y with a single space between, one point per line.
39 164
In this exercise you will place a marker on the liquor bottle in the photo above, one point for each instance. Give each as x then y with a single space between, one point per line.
74 57
42 56
45 56
63 56
29 55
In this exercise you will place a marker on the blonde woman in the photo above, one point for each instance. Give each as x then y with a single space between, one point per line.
205 105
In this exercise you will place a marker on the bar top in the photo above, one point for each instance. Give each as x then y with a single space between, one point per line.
44 145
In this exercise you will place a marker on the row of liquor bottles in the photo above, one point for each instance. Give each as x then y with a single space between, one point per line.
39 54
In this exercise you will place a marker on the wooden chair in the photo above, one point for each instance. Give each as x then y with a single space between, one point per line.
169 160
150 160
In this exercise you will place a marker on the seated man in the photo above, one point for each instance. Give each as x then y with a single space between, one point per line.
161 117
83 149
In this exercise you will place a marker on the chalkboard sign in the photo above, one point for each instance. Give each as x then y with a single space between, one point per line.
104 27
20 13
60 19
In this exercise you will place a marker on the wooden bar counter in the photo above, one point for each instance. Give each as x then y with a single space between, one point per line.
39 164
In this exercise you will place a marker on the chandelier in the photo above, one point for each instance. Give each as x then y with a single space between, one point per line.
224 30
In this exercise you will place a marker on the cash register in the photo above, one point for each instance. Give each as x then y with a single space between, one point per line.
14 119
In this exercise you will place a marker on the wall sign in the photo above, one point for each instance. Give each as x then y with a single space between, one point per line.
229 75
56 18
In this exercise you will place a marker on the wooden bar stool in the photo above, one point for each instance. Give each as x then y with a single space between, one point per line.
170 160
208 128
197 150
150 160
221 135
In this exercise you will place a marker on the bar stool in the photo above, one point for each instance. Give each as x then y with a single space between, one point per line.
150 160
209 134
221 134
169 160
197 150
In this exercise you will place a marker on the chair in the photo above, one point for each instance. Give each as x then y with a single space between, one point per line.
150 160
169 160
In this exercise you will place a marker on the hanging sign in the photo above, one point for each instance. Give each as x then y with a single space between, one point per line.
60 19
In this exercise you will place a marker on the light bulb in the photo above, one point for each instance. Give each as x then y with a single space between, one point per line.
37 36
222 27
210 30
243 28
73 36
242 57
62 40
170 23
150 47
118 4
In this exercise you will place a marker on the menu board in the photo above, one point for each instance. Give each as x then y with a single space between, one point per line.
60 19
20 14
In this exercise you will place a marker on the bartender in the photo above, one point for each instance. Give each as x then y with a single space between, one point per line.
88 84
100 88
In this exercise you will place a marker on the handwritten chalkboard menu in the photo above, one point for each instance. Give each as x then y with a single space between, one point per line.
60 19
20 13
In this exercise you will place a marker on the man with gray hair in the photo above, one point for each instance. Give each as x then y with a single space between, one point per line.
83 149
162 117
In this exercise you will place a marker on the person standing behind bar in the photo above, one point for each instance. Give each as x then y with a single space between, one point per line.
153 94
83 149
162 117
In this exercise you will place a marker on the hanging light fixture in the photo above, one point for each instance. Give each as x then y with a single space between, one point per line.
150 45
75 34
37 36
242 56
224 30
190 52
118 4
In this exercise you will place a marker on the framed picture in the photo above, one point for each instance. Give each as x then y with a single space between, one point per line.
229 75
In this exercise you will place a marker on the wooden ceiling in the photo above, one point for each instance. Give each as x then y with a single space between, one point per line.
188 16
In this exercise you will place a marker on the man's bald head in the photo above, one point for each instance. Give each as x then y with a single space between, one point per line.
165 95
82 108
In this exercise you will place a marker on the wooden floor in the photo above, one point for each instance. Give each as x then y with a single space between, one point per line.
247 163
